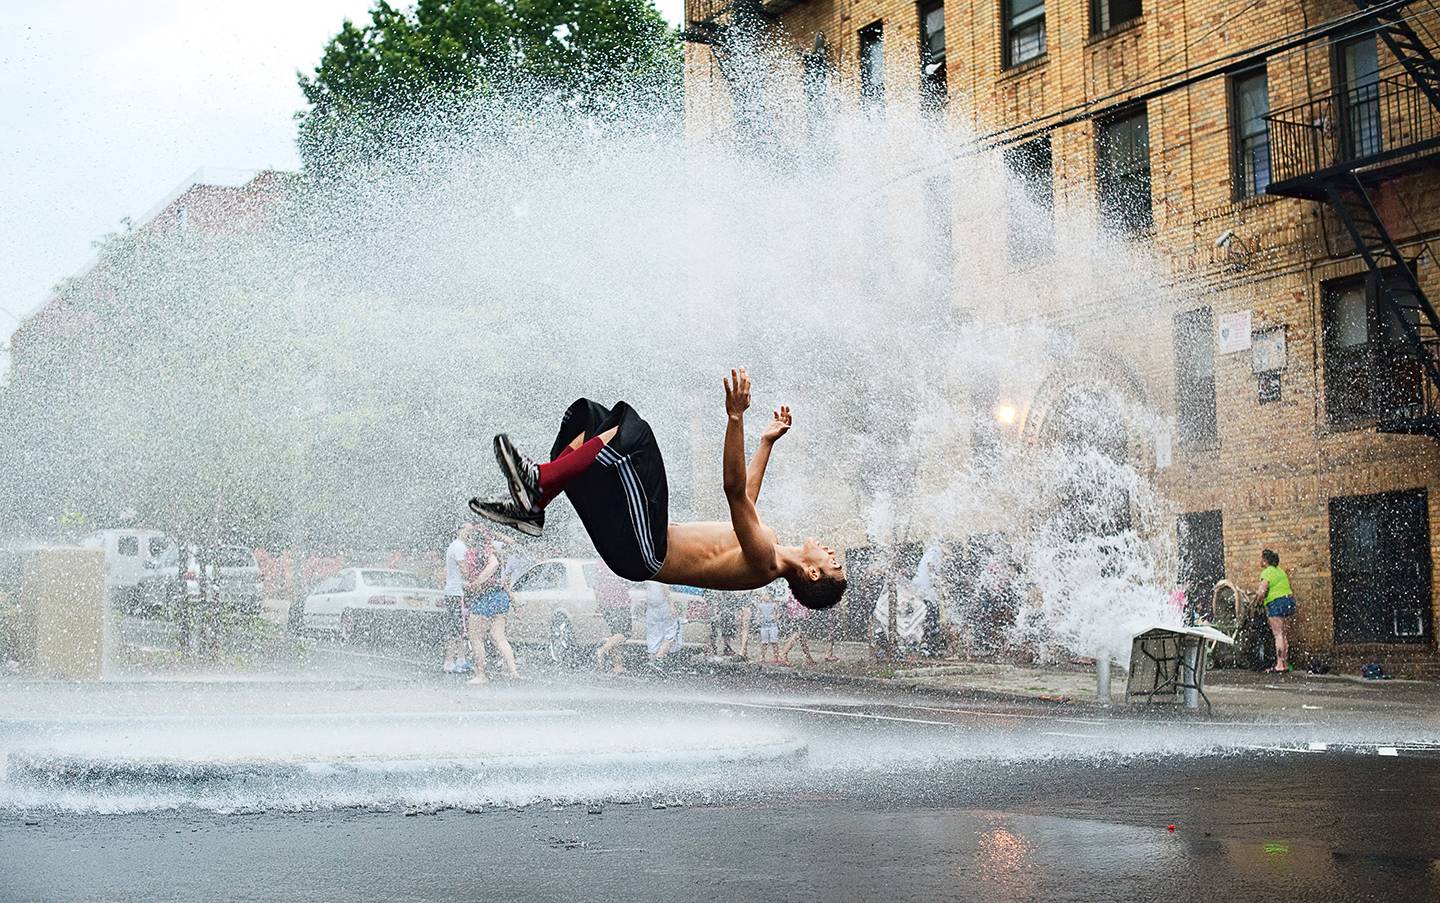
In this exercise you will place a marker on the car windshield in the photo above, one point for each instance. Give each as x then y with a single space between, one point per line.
398 579
236 557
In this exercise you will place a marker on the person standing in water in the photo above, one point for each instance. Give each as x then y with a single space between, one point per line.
456 555
607 462
612 597
767 618
488 602
662 621
1274 589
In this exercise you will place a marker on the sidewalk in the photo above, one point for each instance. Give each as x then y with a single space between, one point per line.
1231 692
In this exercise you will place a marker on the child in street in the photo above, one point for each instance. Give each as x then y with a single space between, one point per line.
662 621
612 597
767 618
797 624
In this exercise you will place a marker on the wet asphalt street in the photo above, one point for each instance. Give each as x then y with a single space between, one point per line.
893 797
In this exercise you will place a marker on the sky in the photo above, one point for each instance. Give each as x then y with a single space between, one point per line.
109 106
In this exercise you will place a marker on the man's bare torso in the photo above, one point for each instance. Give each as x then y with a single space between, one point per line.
708 554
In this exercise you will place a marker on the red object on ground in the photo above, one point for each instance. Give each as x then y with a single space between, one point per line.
1172 829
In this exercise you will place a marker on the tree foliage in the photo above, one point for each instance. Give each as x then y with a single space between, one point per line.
375 78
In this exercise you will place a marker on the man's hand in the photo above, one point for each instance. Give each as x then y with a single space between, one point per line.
779 426
737 393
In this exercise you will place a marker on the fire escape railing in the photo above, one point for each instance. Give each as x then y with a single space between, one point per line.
1335 149
707 12
1383 123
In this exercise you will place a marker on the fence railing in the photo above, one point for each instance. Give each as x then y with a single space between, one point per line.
1374 122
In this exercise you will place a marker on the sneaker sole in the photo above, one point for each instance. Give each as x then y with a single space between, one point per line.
505 457
525 527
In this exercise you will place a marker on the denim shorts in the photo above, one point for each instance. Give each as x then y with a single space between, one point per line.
488 605
1282 607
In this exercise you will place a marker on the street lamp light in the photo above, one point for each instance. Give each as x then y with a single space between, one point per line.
1006 414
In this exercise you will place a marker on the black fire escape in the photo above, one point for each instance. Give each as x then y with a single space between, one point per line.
1338 149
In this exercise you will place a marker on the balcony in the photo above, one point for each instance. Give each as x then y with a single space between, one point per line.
714 12
1375 131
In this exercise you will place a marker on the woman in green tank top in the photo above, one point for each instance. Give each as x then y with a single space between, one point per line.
1274 588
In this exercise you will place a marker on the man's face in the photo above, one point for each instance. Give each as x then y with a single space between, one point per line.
466 533
822 557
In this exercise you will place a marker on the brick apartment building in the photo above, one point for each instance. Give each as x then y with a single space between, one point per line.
1281 157
211 202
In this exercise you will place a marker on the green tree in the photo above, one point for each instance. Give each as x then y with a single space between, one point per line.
443 56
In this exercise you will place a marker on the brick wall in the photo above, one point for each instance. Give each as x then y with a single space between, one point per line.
1275 467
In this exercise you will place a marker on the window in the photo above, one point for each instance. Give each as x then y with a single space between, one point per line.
872 63
1106 14
1031 218
237 557
1380 567
550 575
1195 377
393 579
1370 368
1123 161
1249 105
1358 76
158 546
347 582
1024 30
129 546
932 55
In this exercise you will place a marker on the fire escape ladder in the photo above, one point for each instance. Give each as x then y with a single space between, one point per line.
1415 316
1408 47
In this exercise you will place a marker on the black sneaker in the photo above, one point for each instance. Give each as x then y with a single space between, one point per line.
531 523
520 472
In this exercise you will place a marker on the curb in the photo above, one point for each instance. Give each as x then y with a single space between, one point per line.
855 680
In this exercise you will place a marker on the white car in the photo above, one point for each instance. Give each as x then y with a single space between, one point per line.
553 603
235 570
377 603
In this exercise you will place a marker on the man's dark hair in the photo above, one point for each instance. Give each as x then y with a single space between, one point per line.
1269 557
817 594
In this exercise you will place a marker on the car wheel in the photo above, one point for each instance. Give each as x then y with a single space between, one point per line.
295 620
563 650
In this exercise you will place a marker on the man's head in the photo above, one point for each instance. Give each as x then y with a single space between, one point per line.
819 580
465 529
1270 558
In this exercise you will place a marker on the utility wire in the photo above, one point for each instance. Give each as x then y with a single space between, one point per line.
1212 67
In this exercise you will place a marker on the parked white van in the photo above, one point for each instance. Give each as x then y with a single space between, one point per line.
130 556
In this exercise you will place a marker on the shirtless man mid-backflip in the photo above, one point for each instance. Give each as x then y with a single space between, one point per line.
608 463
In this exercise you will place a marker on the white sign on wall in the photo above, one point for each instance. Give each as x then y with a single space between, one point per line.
1162 449
1232 332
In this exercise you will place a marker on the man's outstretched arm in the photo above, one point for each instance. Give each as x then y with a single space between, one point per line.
777 428
743 517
